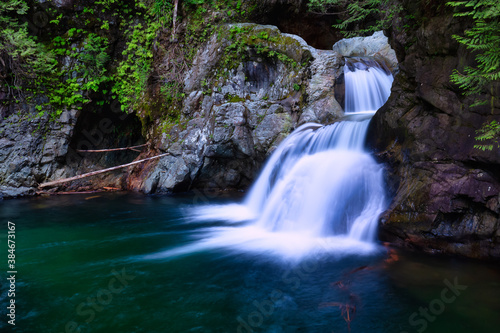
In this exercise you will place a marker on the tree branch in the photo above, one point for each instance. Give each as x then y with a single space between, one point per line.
111 149
55 182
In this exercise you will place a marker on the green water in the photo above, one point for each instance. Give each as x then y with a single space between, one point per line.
81 268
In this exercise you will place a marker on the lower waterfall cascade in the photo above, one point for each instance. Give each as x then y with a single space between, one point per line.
320 190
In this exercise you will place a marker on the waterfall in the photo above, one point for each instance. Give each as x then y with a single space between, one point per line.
367 84
320 184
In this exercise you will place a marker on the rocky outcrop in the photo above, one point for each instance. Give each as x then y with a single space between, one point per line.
322 89
239 107
376 46
33 148
249 87
445 192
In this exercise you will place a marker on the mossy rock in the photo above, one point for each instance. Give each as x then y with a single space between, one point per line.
294 47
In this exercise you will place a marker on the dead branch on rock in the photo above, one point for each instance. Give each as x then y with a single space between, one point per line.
110 149
55 182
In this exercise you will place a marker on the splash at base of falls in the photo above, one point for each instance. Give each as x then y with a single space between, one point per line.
328 202
253 239
320 192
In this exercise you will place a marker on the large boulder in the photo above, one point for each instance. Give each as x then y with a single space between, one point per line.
376 46
323 106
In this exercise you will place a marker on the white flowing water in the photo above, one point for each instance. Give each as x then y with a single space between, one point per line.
319 191
367 85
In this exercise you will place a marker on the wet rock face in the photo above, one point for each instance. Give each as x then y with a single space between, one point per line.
445 192
32 148
322 90
236 113
238 109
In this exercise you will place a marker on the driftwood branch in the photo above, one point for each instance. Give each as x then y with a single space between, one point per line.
55 182
111 149
65 193
174 18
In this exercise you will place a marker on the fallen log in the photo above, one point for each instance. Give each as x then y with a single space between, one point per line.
55 182
110 149
65 193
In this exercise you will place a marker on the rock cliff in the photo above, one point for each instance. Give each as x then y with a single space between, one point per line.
239 106
445 192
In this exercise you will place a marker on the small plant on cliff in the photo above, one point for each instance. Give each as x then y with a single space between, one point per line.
22 58
490 132
484 40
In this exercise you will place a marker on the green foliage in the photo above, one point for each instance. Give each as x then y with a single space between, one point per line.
77 82
93 58
20 52
484 40
242 41
133 72
233 98
72 65
37 69
489 132
162 12
353 15
172 91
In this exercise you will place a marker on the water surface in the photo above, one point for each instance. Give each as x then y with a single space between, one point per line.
71 250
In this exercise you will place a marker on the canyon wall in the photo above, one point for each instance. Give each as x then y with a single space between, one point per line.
445 191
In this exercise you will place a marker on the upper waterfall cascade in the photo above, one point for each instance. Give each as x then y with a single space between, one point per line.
319 184
367 85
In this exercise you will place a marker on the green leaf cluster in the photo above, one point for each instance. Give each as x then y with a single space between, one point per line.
77 82
134 70
484 40
21 56
353 15
489 132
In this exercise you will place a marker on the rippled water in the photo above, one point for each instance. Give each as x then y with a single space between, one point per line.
131 263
